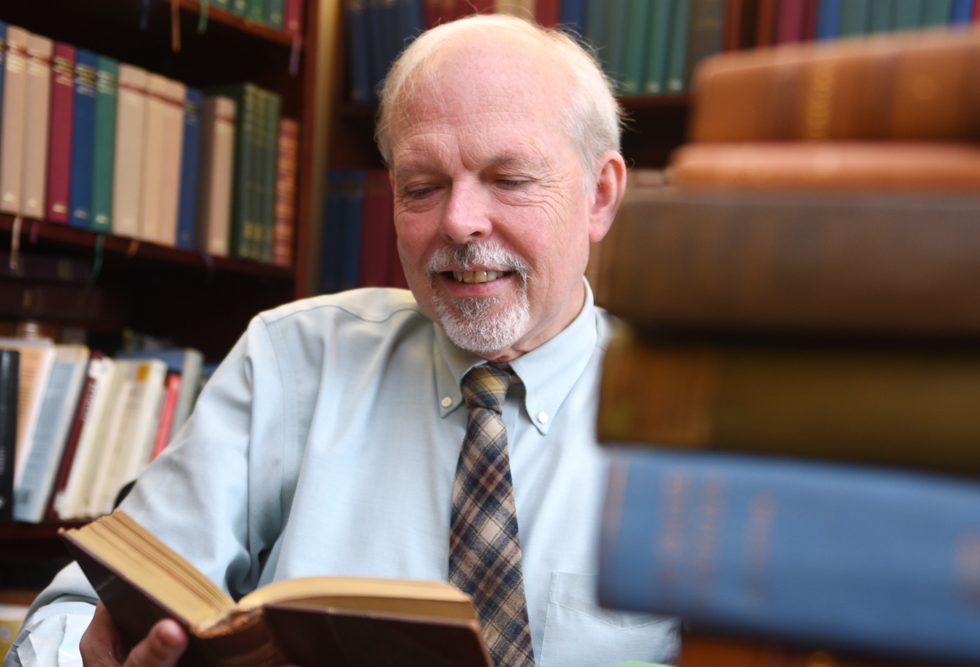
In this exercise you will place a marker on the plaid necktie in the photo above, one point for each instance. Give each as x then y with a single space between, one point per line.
484 547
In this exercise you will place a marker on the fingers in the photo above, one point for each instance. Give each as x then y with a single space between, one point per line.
161 648
101 645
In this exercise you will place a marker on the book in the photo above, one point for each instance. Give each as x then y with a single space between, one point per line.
190 161
634 48
895 86
377 230
847 557
104 151
128 164
59 140
842 263
217 161
188 362
657 46
154 166
827 166
677 48
9 392
38 100
61 396
128 447
34 367
286 183
14 119
868 402
706 32
165 230
83 139
700 649
308 621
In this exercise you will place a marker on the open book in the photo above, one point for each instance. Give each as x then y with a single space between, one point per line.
306 621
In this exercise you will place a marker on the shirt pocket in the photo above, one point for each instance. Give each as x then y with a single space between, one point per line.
579 632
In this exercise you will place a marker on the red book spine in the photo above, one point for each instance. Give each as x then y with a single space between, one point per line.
285 218
171 392
377 229
293 17
546 12
59 140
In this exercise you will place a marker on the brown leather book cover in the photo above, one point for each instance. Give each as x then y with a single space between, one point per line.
828 166
892 263
701 650
312 621
912 85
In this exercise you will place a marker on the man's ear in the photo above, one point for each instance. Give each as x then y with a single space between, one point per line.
607 194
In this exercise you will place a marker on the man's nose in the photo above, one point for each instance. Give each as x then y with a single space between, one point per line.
466 215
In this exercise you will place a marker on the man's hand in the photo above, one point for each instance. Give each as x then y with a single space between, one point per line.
103 646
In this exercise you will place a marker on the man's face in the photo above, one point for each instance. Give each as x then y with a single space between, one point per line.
491 210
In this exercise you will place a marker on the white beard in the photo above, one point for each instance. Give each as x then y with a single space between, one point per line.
481 326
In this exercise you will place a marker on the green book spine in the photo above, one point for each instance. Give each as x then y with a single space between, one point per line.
595 28
908 14
274 13
936 13
706 34
106 80
661 19
271 146
634 58
881 16
677 52
240 7
613 39
854 17
256 10
243 185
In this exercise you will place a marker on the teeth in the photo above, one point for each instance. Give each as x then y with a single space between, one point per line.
476 276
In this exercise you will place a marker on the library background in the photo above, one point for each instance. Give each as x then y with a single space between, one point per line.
791 269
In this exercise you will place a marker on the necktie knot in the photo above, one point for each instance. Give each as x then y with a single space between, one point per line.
485 386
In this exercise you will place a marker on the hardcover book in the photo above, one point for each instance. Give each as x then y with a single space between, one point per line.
103 159
839 262
853 558
38 96
308 621
9 382
59 142
14 118
83 139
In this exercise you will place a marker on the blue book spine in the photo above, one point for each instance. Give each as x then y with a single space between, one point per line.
961 12
846 557
828 19
358 50
83 139
571 17
189 162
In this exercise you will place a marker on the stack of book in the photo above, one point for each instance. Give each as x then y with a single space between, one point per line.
790 398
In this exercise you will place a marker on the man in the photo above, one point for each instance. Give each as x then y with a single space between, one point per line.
328 440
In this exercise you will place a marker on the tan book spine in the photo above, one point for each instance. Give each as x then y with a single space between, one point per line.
217 169
33 196
173 124
916 86
14 120
154 149
128 169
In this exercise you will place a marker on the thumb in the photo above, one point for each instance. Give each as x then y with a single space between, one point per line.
161 648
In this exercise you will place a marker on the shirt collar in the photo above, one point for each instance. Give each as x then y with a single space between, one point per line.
548 372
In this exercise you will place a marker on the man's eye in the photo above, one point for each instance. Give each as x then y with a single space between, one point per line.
418 192
511 183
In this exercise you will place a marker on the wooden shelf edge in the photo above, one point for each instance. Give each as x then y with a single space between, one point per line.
50 235
229 18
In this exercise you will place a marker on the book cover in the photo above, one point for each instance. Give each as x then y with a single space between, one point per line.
860 401
910 86
828 166
36 357
286 183
308 621
358 51
217 170
83 140
834 263
36 121
699 649
853 558
9 392
59 141
188 362
828 19
171 393
190 160
154 165
61 396
128 164
706 34
103 159
855 17
677 50
657 46
13 120
634 49
272 111
165 232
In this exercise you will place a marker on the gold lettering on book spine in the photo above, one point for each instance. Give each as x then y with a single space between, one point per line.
819 100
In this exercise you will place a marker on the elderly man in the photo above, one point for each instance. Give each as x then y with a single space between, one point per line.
329 441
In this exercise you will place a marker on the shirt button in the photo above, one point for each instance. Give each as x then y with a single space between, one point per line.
446 401
543 417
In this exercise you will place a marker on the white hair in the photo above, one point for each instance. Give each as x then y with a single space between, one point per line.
592 117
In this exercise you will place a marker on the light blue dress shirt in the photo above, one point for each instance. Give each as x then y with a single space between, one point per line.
326 443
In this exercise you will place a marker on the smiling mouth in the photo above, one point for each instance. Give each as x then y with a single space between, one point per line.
475 277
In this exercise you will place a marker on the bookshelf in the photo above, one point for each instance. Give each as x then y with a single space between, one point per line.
103 284
185 295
